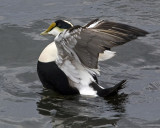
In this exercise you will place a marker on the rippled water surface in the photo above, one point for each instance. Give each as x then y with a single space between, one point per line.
25 104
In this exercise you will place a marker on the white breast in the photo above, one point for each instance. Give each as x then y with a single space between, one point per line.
49 54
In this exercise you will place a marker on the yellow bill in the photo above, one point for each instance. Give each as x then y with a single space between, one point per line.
49 29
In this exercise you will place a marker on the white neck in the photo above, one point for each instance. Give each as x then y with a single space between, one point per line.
56 31
49 54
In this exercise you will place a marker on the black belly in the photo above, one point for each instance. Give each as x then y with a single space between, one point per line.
52 77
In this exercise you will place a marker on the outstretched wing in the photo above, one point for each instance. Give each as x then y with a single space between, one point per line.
85 43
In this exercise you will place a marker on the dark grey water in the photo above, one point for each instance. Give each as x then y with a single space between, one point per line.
25 104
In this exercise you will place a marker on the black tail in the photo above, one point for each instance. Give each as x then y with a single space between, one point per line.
111 91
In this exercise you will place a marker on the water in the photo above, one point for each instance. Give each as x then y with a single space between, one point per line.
25 104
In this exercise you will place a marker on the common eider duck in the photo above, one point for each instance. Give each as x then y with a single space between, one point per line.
69 65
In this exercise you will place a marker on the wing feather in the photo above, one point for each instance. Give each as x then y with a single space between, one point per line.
86 43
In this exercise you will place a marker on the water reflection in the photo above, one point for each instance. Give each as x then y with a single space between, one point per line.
80 111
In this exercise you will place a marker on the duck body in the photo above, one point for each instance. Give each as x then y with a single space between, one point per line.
69 65
52 77
55 78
